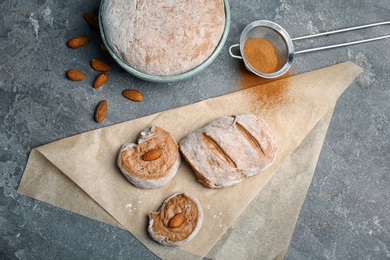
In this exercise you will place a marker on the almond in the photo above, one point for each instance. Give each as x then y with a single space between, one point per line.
103 47
77 42
76 75
100 80
152 155
176 221
92 19
99 65
133 95
101 111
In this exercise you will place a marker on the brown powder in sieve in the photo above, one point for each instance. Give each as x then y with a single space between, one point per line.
261 55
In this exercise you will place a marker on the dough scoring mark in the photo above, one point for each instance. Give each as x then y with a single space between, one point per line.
213 146
251 139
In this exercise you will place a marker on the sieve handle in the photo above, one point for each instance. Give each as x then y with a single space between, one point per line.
340 31
231 53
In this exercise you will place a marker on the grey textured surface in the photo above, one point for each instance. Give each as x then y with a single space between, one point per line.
346 212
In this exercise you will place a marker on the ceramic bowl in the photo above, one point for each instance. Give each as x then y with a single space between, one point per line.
173 78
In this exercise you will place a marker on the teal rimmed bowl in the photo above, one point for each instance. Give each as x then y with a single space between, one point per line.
173 78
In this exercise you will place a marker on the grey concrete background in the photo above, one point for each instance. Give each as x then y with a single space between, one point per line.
346 212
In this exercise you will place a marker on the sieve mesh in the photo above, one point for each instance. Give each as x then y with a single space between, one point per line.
273 36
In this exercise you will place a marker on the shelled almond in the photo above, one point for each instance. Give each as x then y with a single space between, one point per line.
103 47
100 80
99 65
176 221
77 42
133 95
91 19
76 75
152 155
101 111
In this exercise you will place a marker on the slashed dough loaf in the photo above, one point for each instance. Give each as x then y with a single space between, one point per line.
153 173
163 38
179 205
229 149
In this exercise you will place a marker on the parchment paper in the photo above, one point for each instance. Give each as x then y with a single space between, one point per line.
292 107
265 228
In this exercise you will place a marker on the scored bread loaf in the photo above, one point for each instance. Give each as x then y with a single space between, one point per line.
229 149
178 220
163 38
151 162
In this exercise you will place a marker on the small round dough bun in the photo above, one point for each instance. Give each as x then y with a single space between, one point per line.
149 174
163 38
182 205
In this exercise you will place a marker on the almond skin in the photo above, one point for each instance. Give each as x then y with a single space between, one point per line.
133 95
99 65
176 221
92 19
77 42
152 155
100 80
101 111
76 75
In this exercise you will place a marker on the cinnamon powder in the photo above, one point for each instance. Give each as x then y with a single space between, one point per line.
247 79
261 55
266 97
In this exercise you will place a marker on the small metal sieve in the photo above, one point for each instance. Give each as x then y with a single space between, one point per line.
283 43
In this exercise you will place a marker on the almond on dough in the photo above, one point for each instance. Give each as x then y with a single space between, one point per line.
178 220
151 162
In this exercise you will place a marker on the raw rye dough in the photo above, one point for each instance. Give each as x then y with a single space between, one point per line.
184 203
163 38
150 174
229 149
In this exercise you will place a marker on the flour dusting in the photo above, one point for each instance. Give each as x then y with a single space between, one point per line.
129 207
